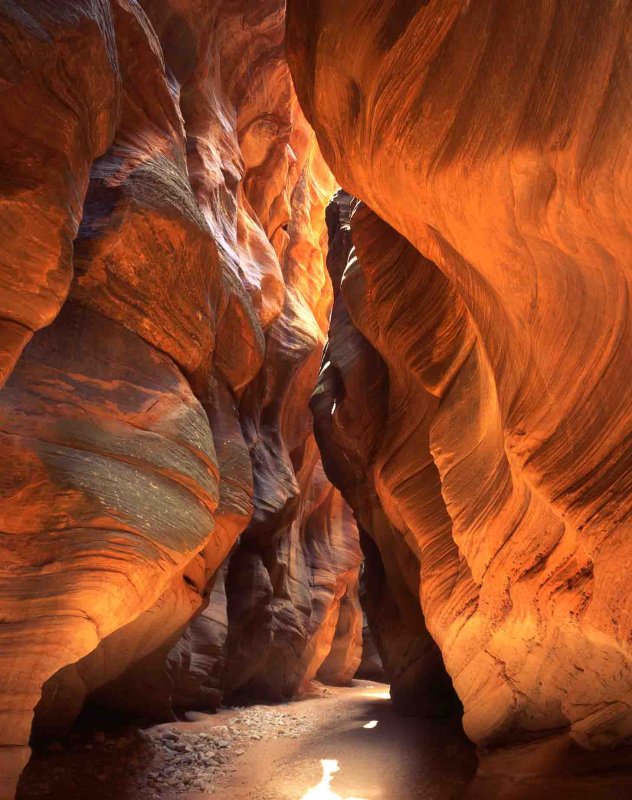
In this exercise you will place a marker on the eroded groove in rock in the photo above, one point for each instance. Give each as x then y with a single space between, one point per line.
356 433
175 527
112 492
491 138
173 191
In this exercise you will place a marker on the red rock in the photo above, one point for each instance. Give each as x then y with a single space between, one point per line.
46 156
111 493
345 653
371 667
178 202
490 142
350 406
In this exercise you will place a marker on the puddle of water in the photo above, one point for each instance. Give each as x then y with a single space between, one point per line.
323 790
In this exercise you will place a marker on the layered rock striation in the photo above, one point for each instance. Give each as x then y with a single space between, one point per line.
351 415
163 308
489 143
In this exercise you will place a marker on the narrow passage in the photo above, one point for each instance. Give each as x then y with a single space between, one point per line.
358 748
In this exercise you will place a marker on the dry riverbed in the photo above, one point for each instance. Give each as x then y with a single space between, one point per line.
340 744
196 756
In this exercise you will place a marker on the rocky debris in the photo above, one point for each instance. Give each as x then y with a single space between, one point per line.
265 722
158 762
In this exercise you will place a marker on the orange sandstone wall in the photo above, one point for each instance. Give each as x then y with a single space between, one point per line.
489 141
163 214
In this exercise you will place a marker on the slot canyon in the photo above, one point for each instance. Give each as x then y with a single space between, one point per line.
315 399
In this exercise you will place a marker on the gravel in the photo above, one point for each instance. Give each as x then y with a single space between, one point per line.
155 763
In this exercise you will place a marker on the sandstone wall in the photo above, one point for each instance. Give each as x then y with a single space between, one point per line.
163 207
350 406
489 141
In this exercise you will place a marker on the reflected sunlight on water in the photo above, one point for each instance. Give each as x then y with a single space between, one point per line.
323 790
377 695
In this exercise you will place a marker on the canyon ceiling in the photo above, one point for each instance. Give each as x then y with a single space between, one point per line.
232 408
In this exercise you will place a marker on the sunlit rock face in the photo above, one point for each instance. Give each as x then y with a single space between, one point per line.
490 141
47 156
345 653
164 202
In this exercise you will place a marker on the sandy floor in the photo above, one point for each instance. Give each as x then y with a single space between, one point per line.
375 752
341 744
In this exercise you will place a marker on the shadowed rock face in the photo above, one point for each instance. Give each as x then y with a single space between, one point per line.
163 202
489 141
167 530
281 633
371 667
350 425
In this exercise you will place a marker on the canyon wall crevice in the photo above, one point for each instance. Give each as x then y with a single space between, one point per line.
492 277
175 526
163 308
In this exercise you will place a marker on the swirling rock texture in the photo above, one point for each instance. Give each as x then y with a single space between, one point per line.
350 431
489 141
163 203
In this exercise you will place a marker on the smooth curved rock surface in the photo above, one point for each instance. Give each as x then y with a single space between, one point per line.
46 157
489 140
350 406
371 667
345 652
165 205
112 490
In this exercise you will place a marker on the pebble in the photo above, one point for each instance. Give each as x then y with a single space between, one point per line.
164 763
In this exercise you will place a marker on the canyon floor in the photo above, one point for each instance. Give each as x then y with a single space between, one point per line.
337 744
